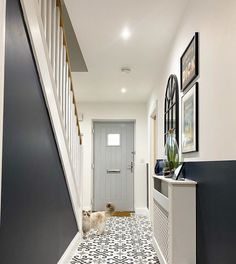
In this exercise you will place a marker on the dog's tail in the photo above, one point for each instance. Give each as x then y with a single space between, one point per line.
110 208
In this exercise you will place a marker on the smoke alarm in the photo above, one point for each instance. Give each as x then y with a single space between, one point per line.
126 69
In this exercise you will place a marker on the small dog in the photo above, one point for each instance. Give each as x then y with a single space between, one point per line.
96 220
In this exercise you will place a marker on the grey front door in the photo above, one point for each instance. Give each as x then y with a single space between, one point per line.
114 165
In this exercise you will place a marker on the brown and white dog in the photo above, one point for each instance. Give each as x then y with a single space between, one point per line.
96 220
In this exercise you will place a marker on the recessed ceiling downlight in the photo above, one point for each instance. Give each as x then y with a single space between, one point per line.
123 90
125 34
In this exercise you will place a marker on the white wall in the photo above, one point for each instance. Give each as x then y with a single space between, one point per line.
2 67
215 20
116 111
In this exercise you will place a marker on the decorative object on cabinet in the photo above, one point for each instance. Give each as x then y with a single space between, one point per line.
178 172
174 220
171 114
159 167
189 63
190 120
171 159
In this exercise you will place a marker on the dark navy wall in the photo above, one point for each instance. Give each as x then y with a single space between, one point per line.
216 210
37 217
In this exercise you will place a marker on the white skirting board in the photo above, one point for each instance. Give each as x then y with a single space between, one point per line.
71 249
142 211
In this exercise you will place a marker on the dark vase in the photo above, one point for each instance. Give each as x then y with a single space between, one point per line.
159 167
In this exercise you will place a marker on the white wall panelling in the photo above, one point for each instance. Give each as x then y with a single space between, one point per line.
54 80
2 68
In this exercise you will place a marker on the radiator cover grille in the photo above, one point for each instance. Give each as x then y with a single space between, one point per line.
161 228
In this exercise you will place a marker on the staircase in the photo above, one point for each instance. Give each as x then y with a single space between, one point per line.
46 29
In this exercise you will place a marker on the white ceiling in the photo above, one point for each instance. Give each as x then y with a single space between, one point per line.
98 25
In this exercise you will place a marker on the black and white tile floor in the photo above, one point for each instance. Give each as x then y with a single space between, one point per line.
126 240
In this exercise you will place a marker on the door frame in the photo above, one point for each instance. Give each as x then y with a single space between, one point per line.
153 141
2 79
93 151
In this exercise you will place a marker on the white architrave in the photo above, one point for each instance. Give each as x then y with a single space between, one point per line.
36 32
2 68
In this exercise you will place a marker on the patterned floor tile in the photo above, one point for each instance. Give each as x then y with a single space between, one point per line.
126 240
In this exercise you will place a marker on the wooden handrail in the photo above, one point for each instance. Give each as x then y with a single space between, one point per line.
62 24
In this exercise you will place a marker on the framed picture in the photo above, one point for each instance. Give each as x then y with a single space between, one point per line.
178 171
189 68
190 120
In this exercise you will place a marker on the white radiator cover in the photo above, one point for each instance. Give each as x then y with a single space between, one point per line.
174 221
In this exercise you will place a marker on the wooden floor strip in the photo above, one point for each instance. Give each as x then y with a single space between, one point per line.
122 214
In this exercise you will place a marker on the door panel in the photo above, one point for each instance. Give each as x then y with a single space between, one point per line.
113 165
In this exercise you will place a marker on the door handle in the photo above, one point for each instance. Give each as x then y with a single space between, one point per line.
113 171
131 167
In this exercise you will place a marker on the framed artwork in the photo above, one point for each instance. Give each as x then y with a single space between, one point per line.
190 120
189 67
178 171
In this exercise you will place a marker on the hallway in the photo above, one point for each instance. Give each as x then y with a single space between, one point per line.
122 103
126 240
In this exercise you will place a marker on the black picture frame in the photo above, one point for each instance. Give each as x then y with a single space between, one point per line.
189 125
177 172
189 63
